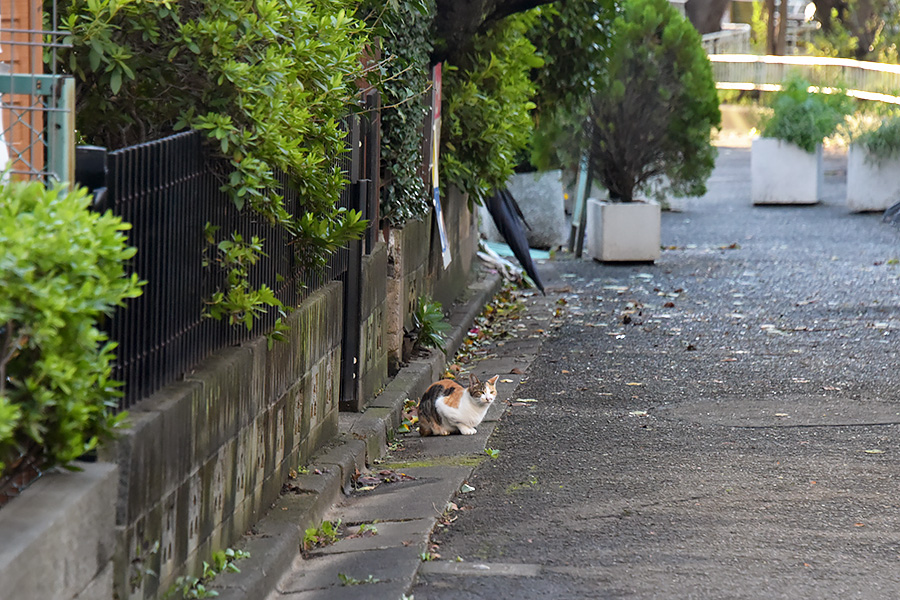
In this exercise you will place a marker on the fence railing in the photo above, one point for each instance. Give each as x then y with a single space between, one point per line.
169 190
861 79
734 38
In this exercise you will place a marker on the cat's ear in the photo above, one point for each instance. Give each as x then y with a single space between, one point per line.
472 379
493 380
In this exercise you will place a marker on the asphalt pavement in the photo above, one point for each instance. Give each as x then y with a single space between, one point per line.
720 424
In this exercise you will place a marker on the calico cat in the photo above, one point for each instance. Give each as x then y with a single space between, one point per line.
447 407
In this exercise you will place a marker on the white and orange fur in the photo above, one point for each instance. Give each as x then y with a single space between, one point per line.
447 407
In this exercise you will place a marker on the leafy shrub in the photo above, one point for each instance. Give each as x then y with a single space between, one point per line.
572 37
61 270
655 105
404 28
268 82
429 323
805 118
882 142
486 104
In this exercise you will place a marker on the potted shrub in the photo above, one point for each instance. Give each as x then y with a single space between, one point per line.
873 168
651 117
786 161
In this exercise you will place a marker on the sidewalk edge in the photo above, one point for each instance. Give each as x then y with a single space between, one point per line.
275 543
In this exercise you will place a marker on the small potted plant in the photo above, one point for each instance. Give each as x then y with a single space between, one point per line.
651 117
786 161
873 168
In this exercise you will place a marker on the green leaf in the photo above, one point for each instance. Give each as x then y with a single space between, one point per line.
115 81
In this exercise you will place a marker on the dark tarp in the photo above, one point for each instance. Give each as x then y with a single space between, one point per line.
511 224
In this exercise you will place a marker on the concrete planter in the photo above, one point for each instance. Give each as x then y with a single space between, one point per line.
58 537
783 173
542 199
623 231
872 184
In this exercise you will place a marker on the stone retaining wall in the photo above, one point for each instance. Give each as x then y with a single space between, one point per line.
205 458
57 537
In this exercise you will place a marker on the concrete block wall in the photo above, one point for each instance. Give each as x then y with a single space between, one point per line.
462 233
416 238
374 355
57 537
415 266
205 458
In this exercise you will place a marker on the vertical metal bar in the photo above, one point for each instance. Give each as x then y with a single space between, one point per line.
373 167
351 399
583 186
61 131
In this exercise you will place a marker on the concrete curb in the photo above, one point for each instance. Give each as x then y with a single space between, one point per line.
275 541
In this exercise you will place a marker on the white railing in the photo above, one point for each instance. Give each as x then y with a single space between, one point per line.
734 38
860 79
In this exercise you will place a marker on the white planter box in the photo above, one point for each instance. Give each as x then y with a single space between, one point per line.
623 231
872 185
783 173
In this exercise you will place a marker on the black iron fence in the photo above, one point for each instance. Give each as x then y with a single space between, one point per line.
169 190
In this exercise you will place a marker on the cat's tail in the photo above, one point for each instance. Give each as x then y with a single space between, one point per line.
429 418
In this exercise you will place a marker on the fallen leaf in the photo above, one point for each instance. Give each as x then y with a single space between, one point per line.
566 372
526 400
516 371
634 383
875 451
638 413
506 381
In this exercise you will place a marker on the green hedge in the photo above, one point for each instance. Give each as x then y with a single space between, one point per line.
404 81
268 82
61 271
486 120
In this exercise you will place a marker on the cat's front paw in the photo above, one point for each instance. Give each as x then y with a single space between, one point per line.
467 430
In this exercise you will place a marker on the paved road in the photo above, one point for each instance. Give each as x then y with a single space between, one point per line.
722 424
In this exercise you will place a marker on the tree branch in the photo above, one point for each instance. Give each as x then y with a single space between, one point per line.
457 21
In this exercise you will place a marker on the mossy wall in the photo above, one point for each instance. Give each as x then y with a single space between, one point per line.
204 459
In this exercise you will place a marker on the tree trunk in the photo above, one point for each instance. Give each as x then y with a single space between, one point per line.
457 21
823 12
781 43
706 15
770 26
